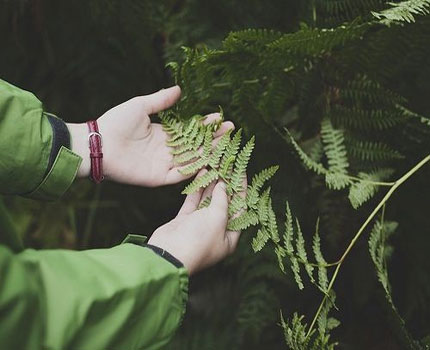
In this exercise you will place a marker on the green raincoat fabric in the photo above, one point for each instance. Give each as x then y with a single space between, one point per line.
125 297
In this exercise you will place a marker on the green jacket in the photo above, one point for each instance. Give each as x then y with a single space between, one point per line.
127 297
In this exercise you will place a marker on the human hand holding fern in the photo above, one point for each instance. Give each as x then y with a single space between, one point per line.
135 150
194 148
197 236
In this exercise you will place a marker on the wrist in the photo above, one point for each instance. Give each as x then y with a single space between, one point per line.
79 145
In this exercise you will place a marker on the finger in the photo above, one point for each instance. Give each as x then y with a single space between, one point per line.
211 118
219 198
192 201
208 191
175 176
161 100
232 240
224 127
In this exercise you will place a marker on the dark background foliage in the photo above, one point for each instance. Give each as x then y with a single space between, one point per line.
83 57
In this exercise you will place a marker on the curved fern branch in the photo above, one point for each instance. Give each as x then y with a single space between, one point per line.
375 211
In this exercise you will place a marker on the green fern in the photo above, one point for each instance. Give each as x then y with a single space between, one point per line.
192 147
258 182
334 147
205 202
292 247
297 336
361 187
404 11
239 173
369 151
380 251
365 189
322 270
201 182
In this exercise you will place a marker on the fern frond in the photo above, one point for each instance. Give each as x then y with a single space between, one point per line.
237 203
280 255
365 119
334 147
295 333
404 11
239 169
301 252
337 181
322 270
306 160
219 150
260 240
288 239
242 222
199 140
205 202
381 231
326 323
361 191
289 230
295 267
263 207
186 157
297 336
194 167
366 91
380 251
207 144
182 149
184 134
272 224
201 182
371 151
230 154
257 183
317 41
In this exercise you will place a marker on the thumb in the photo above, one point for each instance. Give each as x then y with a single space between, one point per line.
161 100
219 198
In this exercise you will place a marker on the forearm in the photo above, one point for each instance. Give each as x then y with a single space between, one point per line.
79 145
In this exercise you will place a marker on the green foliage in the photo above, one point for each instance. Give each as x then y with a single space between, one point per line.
404 11
361 187
366 188
380 252
323 87
297 336
317 61
226 161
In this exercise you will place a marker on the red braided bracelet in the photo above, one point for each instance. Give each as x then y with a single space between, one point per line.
95 143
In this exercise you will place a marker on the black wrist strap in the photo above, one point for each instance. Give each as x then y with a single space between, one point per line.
165 254
141 241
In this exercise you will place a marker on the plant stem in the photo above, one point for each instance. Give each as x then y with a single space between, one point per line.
361 230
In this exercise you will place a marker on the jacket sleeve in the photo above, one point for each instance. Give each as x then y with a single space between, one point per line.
35 156
126 297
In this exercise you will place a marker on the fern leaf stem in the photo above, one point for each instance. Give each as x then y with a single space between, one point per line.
375 211
376 183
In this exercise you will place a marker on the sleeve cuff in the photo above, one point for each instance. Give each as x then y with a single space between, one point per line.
62 166
59 177
141 240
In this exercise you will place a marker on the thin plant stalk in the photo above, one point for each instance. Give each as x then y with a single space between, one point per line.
375 211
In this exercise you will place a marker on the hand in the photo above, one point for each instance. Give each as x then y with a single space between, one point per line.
199 237
134 149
